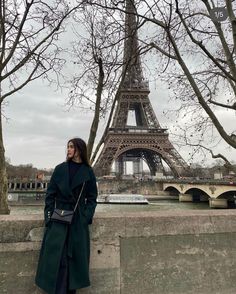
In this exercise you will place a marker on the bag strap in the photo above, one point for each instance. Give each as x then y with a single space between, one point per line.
77 202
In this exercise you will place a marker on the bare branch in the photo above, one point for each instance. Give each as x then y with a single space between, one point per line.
200 44
223 105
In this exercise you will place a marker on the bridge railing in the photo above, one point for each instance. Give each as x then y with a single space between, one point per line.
27 186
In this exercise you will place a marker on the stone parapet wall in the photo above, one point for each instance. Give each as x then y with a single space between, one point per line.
148 252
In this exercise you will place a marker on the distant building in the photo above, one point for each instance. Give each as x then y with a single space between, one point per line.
218 176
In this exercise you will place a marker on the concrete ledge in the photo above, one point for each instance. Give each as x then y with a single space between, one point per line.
19 246
129 224
14 228
159 252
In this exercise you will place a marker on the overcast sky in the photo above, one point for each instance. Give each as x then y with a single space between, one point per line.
38 126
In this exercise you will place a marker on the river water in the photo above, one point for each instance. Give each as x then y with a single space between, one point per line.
152 206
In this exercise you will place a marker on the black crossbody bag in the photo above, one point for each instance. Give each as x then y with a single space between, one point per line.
65 216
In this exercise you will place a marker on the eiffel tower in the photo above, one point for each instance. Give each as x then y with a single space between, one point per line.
146 140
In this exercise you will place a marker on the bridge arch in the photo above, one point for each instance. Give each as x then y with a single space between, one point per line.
198 194
172 190
230 195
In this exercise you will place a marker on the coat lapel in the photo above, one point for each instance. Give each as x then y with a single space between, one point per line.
81 176
62 179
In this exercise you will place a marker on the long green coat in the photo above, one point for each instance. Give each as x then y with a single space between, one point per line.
78 233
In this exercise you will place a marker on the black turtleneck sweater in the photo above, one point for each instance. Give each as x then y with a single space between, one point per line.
73 168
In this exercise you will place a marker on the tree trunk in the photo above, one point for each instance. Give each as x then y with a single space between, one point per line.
94 126
4 209
125 68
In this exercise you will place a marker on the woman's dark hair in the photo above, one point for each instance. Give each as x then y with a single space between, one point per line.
81 147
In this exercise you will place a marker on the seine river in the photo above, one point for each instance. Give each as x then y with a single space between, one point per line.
157 205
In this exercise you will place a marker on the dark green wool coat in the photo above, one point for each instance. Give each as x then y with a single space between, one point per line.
77 233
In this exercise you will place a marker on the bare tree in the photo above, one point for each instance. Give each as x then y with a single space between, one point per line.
29 31
195 53
99 60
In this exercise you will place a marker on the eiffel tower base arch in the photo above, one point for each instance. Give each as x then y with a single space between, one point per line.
152 147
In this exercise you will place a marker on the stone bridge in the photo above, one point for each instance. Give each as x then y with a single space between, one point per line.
218 193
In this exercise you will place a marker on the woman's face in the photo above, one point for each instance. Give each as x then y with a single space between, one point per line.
72 153
70 150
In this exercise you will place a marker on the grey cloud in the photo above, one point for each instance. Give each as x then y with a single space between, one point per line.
39 127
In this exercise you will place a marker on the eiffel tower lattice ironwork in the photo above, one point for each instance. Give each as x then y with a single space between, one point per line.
146 140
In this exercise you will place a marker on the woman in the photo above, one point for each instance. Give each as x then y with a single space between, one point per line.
64 257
